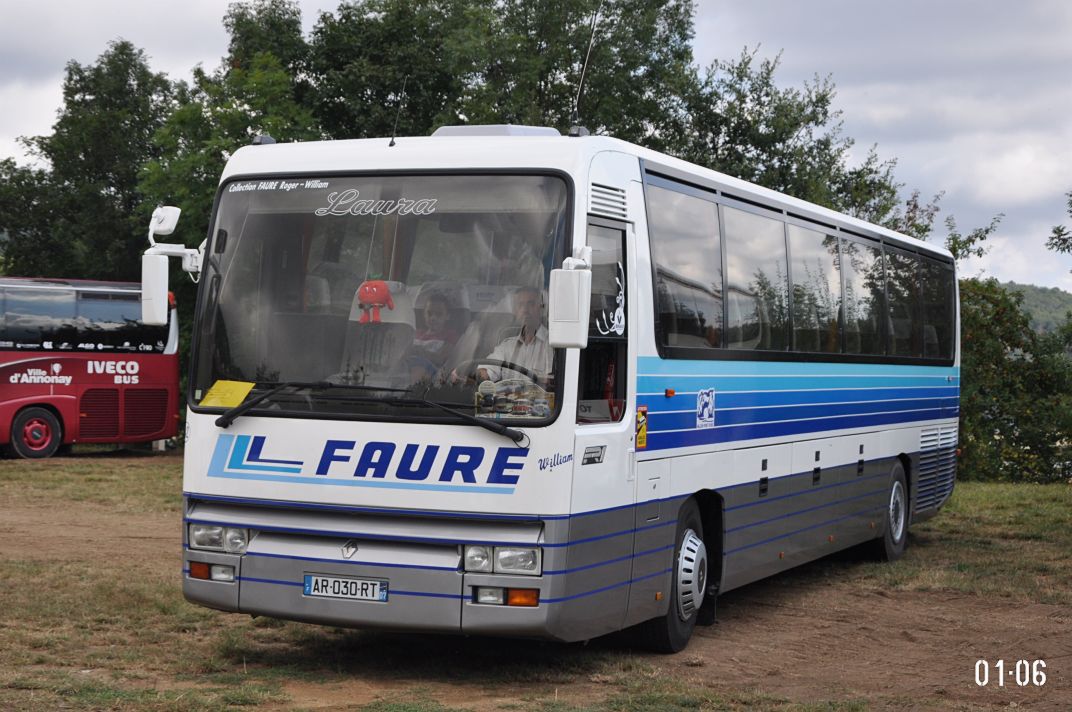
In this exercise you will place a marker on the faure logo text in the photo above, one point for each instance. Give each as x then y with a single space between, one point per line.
124 371
410 466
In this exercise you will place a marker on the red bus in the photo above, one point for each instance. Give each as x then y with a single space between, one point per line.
77 365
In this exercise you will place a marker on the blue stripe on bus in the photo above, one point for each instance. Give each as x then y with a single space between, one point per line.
656 366
351 534
390 592
659 422
431 513
603 589
627 557
708 436
278 504
807 510
456 596
869 510
686 401
271 581
724 382
350 562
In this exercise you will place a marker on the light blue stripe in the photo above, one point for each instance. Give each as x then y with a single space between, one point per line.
238 454
655 366
382 484
796 382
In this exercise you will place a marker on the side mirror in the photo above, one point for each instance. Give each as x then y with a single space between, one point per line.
163 221
569 300
154 289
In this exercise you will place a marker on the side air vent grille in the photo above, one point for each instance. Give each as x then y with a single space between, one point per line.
937 466
99 413
144 411
609 201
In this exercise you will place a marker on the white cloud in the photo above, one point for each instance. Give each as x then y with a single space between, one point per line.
31 112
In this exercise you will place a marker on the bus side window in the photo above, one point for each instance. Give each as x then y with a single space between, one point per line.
601 389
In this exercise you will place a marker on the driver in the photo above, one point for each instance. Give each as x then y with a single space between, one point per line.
529 349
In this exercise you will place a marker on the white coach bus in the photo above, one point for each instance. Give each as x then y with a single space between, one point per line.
504 381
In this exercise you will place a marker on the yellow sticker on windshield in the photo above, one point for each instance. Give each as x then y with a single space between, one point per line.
227 394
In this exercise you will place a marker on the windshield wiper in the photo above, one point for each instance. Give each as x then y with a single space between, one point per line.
516 435
498 428
230 414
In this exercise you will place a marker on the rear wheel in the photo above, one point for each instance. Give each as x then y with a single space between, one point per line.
36 433
670 633
892 544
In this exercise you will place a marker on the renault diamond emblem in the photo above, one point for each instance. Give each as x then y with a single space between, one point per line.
348 549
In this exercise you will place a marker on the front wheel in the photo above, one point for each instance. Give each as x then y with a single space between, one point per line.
895 538
36 433
670 633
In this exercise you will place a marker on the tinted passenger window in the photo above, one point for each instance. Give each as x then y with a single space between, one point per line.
816 290
902 289
863 301
938 311
114 322
33 317
757 292
688 268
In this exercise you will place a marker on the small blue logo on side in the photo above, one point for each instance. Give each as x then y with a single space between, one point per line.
705 408
244 453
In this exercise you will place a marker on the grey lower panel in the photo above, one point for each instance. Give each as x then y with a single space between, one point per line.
800 517
427 588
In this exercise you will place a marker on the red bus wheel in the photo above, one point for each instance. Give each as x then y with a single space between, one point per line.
36 433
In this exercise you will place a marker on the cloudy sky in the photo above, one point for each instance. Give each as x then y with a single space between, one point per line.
972 97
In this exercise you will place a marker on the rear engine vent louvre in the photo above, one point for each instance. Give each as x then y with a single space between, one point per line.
99 413
608 200
144 411
937 466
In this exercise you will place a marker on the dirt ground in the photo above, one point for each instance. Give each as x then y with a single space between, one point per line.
797 637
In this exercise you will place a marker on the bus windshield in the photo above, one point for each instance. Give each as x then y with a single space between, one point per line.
396 289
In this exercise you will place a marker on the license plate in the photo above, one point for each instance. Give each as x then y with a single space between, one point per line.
350 588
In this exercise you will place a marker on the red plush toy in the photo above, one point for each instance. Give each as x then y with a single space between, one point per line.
372 295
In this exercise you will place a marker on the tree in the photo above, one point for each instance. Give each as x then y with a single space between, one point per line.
27 205
743 124
638 73
361 58
1061 237
85 204
1016 391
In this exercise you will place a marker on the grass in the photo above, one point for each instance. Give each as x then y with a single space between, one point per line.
1004 540
102 628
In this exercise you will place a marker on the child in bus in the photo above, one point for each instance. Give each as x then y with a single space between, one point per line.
434 339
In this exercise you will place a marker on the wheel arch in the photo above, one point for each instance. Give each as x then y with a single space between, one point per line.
906 463
712 508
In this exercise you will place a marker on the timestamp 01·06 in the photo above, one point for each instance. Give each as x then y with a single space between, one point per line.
1023 672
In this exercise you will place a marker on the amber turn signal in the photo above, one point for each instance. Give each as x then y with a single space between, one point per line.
199 570
523 597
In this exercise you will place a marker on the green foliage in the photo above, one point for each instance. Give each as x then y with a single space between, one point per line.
360 58
638 74
1047 307
84 216
742 123
1061 236
1016 391
28 207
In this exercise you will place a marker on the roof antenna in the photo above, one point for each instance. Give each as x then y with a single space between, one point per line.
575 128
398 112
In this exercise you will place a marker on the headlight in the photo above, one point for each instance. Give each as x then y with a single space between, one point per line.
478 558
235 540
517 560
216 538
